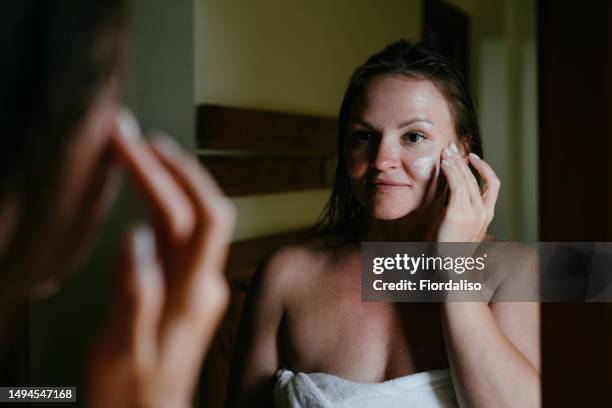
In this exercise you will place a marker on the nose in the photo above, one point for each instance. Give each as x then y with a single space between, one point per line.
386 155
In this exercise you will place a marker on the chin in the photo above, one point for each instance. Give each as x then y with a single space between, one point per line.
388 213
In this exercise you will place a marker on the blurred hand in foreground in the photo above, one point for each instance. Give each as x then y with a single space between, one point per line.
170 289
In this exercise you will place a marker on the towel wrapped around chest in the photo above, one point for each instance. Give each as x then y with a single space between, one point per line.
319 390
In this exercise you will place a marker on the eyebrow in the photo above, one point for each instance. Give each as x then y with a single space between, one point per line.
400 126
414 120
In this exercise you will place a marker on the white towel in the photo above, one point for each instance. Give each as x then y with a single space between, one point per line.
319 390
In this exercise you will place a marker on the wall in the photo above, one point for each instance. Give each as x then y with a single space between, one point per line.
294 57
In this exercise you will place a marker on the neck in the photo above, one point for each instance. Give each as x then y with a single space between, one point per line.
419 225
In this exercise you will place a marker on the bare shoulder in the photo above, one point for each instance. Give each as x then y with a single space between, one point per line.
515 262
509 249
516 269
292 259
291 267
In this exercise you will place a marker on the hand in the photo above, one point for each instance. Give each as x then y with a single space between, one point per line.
171 293
469 211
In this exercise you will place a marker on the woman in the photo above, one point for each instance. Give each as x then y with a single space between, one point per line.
67 140
407 135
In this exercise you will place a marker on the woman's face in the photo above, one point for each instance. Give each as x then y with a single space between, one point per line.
397 128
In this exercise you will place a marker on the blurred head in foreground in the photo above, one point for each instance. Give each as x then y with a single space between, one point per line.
58 98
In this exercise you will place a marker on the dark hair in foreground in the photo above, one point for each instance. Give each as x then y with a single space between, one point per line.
56 57
401 58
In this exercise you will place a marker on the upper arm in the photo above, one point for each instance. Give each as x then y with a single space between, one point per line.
520 323
257 354
518 316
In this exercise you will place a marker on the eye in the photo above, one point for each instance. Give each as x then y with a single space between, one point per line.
414 137
361 136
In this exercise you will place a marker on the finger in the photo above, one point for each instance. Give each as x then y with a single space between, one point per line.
469 180
458 196
171 208
491 181
195 306
215 214
139 299
201 290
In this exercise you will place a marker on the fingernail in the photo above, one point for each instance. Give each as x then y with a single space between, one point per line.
454 148
445 163
127 124
447 151
474 156
166 145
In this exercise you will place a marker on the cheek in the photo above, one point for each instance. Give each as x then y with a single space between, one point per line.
426 167
81 161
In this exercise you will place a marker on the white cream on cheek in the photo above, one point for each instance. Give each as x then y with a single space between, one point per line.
426 165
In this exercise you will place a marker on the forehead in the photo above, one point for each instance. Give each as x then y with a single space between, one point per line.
394 98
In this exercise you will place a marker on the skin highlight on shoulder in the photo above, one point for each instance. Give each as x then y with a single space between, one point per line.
292 268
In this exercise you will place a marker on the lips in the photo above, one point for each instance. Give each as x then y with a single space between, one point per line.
384 185
387 182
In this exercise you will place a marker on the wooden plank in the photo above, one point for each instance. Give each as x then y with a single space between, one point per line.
260 131
261 174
